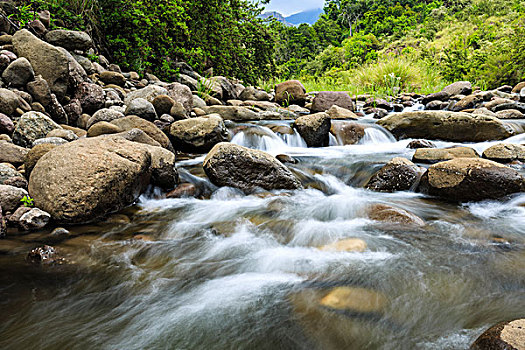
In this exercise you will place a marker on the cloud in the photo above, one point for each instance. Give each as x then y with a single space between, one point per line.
288 7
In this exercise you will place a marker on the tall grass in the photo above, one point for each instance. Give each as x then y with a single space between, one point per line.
387 77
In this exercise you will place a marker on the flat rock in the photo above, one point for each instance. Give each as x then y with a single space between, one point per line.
436 155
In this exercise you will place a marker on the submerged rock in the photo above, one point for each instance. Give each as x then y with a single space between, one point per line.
399 174
247 169
354 299
508 335
345 245
3 224
347 133
470 179
389 214
444 125
46 255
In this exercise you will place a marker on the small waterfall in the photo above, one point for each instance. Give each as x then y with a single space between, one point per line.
414 108
264 139
377 135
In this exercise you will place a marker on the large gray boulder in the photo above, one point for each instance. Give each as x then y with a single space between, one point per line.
141 108
18 73
198 135
470 179
444 125
324 100
33 126
89 178
47 60
314 129
69 39
247 169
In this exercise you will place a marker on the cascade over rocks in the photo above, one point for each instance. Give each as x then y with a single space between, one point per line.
470 179
89 178
247 169
443 125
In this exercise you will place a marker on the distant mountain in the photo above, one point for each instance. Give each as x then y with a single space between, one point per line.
279 17
309 16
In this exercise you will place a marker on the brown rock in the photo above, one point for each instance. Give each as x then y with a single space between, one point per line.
436 155
399 174
505 153
34 155
290 92
10 153
236 166
324 100
386 213
470 179
336 112
103 128
198 135
314 129
133 122
508 335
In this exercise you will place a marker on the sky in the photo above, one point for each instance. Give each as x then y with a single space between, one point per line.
289 7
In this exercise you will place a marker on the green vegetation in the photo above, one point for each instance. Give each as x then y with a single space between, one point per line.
28 201
373 46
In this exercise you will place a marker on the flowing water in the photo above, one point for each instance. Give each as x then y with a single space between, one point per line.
230 271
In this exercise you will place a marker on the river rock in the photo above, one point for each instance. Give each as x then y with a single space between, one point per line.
198 135
18 73
46 60
141 108
10 153
67 135
184 190
470 179
32 126
336 112
45 255
10 197
438 96
234 113
509 335
399 174
420 144
69 39
347 133
510 114
34 155
505 153
163 104
324 100
518 87
103 128
39 90
6 125
109 77
134 122
236 166
388 214
468 102
148 93
436 155
89 178
314 129
104 115
9 102
354 299
7 174
459 88
34 219
252 94
291 92
139 136
346 245
519 106
444 125
90 96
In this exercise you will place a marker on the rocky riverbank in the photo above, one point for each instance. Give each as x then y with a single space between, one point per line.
80 140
